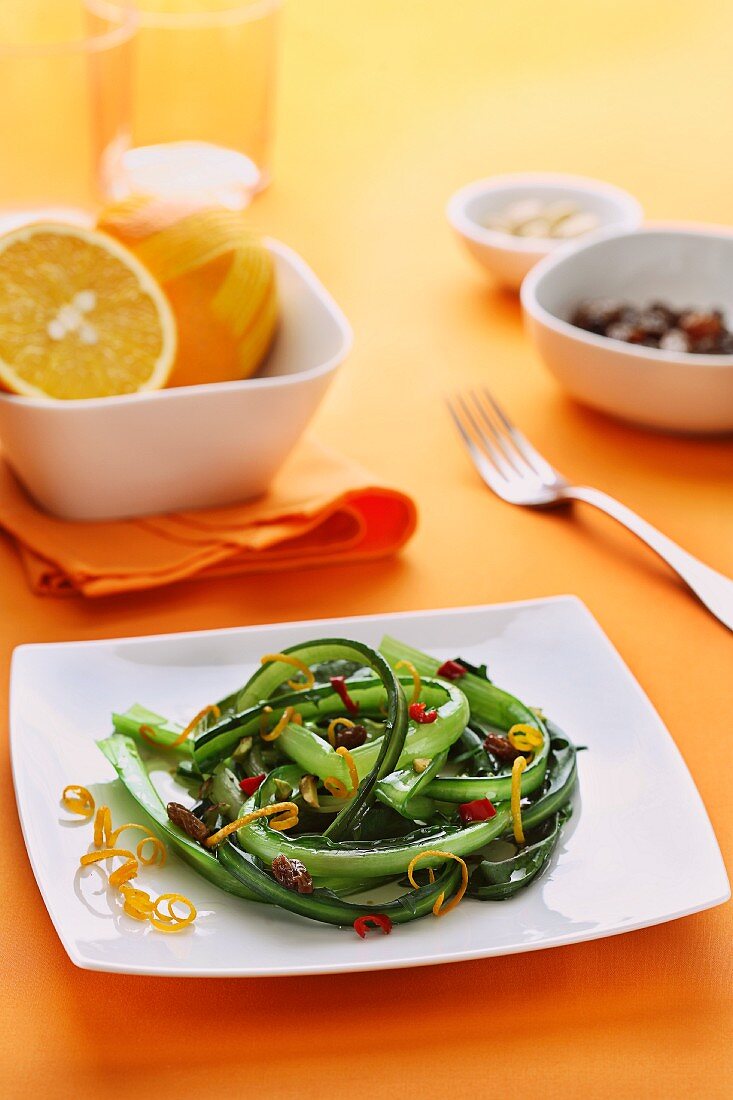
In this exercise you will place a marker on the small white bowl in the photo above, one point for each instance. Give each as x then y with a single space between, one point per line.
189 447
675 391
509 258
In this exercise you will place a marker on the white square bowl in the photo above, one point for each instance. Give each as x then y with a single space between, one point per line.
186 447
638 850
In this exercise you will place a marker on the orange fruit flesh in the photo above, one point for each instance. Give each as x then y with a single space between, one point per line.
79 316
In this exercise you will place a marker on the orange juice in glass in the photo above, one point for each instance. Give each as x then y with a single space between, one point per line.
203 82
65 88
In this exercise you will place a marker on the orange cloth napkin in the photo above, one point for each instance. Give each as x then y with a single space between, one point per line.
321 509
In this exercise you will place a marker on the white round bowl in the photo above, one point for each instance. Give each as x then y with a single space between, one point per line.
188 447
509 258
675 391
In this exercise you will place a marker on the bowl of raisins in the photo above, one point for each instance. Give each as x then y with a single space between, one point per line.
639 323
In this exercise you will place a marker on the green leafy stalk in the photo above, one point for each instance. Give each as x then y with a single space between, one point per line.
324 905
122 753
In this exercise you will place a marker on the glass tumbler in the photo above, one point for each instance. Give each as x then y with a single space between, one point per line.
203 82
64 123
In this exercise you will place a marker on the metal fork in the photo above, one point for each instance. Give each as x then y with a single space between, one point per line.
518 473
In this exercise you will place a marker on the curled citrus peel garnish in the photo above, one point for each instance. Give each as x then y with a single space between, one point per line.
334 724
288 810
104 834
78 800
123 873
301 666
416 681
525 738
148 733
170 921
439 909
288 715
136 903
516 798
334 786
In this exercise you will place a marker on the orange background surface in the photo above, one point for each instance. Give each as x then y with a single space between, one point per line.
385 109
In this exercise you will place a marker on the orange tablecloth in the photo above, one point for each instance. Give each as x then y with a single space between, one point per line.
386 108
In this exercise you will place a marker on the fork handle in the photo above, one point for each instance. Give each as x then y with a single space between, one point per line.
713 589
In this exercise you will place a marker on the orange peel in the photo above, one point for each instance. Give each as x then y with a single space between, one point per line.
148 733
289 812
439 909
78 800
300 665
416 680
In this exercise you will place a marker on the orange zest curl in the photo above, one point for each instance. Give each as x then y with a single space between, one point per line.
103 828
353 774
289 715
170 921
158 853
416 681
334 724
104 834
136 903
78 800
288 810
439 909
334 786
516 798
123 873
149 734
296 685
525 738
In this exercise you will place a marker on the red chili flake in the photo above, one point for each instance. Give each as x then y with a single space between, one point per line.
372 920
338 683
479 810
451 670
419 714
252 783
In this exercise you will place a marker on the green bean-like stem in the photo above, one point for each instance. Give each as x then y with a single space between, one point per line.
324 905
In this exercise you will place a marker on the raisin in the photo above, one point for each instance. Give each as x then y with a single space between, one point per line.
657 325
184 819
701 325
596 316
350 737
500 747
292 874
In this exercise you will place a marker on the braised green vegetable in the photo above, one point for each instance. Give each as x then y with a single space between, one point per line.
388 763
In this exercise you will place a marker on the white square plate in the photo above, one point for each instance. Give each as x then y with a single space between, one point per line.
638 850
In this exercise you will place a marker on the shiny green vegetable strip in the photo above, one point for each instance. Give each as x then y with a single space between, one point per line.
498 879
387 857
488 703
166 732
367 843
316 756
496 708
322 905
400 789
319 702
122 753
271 675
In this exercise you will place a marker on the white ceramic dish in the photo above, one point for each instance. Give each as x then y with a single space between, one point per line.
660 389
191 447
509 258
638 818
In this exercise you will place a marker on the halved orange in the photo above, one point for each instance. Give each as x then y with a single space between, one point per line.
80 316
